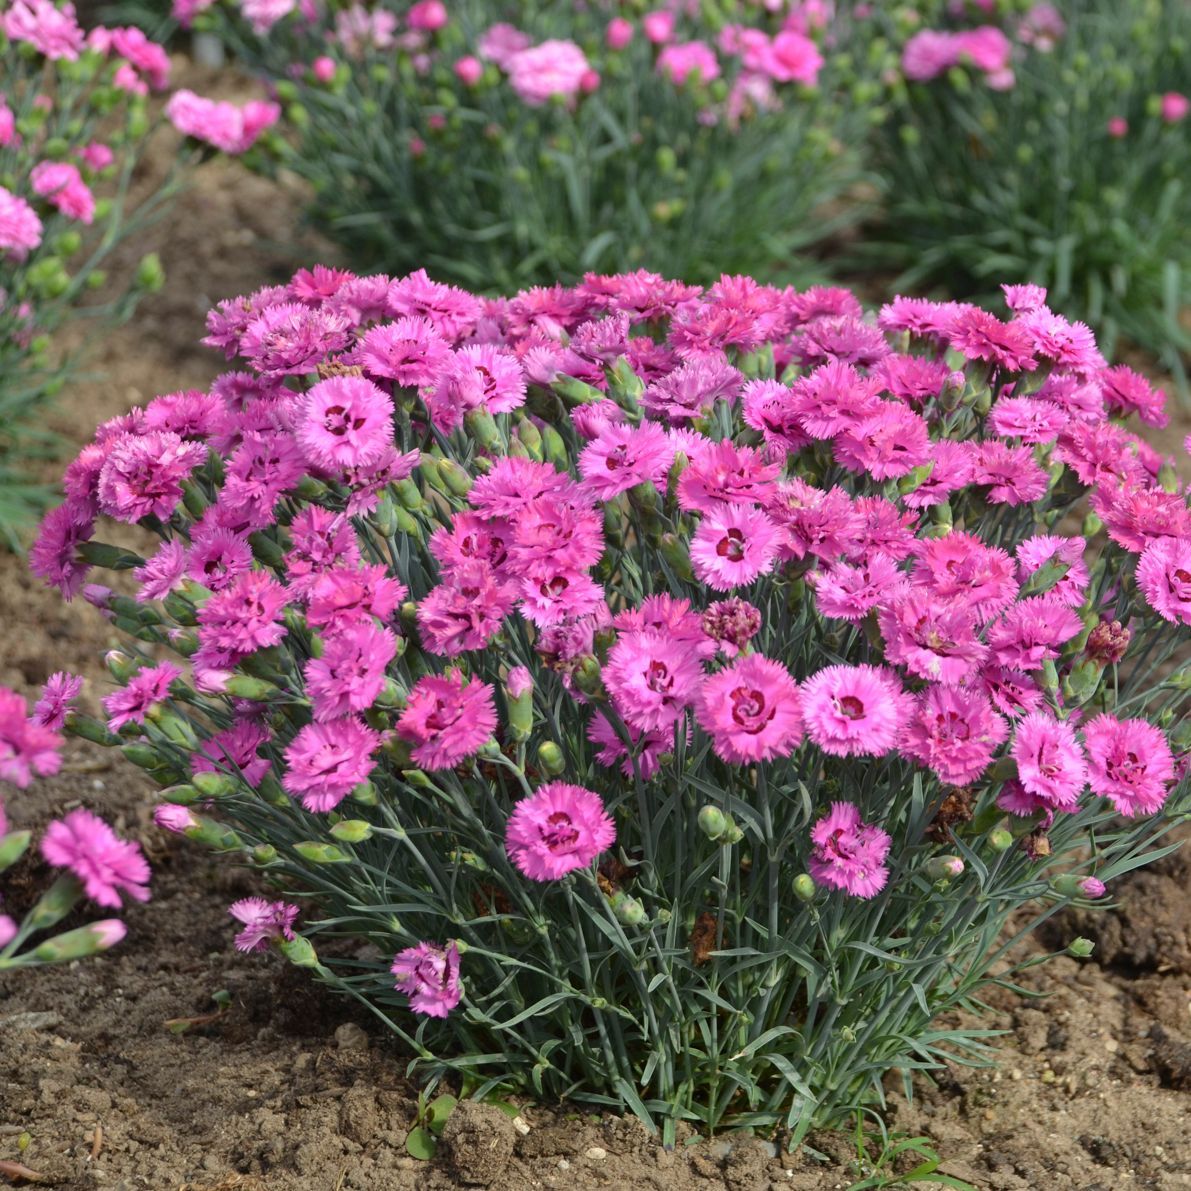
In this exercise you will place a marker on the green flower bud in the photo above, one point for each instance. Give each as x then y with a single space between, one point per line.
143 756
1080 948
213 835
57 901
408 494
574 391
243 686
317 853
12 847
804 887
481 425
214 785
554 447
712 822
80 942
1000 840
86 728
674 551
519 700
943 868
365 794
299 951
628 910
352 831
150 275
264 854
456 479
551 758
588 679
417 779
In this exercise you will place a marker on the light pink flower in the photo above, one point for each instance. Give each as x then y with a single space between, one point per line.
429 976
849 854
751 711
856 711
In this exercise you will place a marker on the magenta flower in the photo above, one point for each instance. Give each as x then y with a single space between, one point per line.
51 30
345 421
429 976
646 752
235 749
245 616
263 921
143 475
61 690
955 732
1043 549
163 573
1164 576
652 678
850 593
28 749
1032 631
1129 763
410 351
62 185
351 671
886 445
1050 763
106 865
960 568
344 596
620 457
172 816
325 762
733 623
751 711
855 711
146 688
733 545
447 719
847 853
679 62
466 612
556 830
53 557
1012 474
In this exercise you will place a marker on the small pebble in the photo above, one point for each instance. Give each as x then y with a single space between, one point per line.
521 1125
596 1154
563 1164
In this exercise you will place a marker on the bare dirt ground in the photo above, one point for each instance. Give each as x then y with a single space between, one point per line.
290 1090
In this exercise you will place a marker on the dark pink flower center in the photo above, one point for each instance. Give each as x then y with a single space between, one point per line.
658 678
731 546
339 420
749 710
850 707
560 833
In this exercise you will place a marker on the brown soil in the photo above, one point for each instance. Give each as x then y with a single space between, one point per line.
291 1090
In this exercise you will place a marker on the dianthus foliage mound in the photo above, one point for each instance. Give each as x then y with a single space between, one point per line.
654 696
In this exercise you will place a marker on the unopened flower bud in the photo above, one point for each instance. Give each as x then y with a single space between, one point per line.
804 887
175 817
712 822
57 901
551 758
264 854
352 831
299 951
943 868
317 853
456 479
365 794
628 910
81 942
1080 948
674 551
256 690
13 847
1000 840
519 698
214 785
588 678
120 666
481 425
86 728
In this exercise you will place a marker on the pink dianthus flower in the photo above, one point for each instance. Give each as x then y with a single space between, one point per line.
147 687
849 854
557 829
325 762
447 719
346 421
1129 763
854 710
751 711
429 976
106 865
1050 763
652 678
263 920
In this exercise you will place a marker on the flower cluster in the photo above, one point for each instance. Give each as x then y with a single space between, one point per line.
97 865
574 647
581 137
74 122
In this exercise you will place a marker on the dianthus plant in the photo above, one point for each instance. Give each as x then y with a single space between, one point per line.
1049 145
521 143
651 696
75 119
